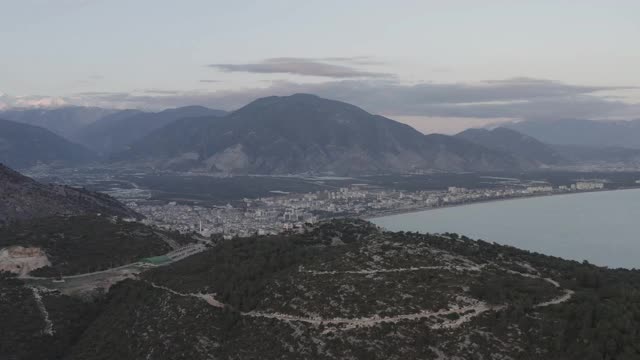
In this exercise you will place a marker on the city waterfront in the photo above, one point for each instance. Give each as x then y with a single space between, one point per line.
600 227
272 215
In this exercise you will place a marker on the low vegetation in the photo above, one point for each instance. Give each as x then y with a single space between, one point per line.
22 324
345 289
82 244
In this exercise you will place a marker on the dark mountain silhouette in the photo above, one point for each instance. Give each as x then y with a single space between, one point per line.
583 132
306 134
23 145
64 121
117 131
597 154
529 151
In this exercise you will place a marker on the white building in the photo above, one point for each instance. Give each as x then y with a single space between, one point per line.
589 185
536 189
456 190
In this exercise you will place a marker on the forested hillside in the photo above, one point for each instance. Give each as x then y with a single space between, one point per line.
348 289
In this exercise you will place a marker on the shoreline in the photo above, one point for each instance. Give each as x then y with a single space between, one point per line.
393 212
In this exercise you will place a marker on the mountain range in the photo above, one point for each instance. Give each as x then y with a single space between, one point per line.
91 287
64 121
620 134
533 153
22 198
23 145
103 130
304 133
116 131
529 151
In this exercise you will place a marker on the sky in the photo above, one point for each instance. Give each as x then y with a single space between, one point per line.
440 66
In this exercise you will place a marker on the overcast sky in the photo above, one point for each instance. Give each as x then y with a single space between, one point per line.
438 65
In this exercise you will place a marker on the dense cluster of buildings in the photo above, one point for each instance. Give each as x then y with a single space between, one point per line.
271 215
587 185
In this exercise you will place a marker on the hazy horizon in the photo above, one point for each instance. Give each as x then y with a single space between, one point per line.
438 67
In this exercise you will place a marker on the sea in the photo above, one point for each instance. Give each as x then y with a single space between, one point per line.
600 227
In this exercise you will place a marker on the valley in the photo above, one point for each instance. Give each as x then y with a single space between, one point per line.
330 180
272 275
243 230
231 206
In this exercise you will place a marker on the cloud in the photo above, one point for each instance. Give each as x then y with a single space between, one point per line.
358 60
100 94
8 101
510 90
511 98
517 98
306 66
161 92
227 100
209 81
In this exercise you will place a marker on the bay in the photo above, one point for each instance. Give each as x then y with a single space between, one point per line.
600 227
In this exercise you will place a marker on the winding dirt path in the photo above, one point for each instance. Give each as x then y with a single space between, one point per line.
209 298
469 311
568 294
443 322
48 324
396 270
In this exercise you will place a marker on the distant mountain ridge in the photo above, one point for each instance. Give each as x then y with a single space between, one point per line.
65 121
528 150
533 153
118 130
596 154
582 132
103 130
304 133
22 198
23 145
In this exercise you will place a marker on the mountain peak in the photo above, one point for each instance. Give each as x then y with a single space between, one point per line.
25 145
600 133
117 132
304 133
304 107
288 99
527 149
187 109
303 96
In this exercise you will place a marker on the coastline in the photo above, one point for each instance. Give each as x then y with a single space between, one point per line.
385 213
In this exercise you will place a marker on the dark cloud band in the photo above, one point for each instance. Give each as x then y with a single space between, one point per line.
307 67
512 98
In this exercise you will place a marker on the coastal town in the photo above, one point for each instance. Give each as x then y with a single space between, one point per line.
272 215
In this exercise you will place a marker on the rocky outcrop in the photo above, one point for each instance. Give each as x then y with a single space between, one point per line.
21 260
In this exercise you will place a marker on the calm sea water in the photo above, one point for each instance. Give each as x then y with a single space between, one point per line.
601 227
